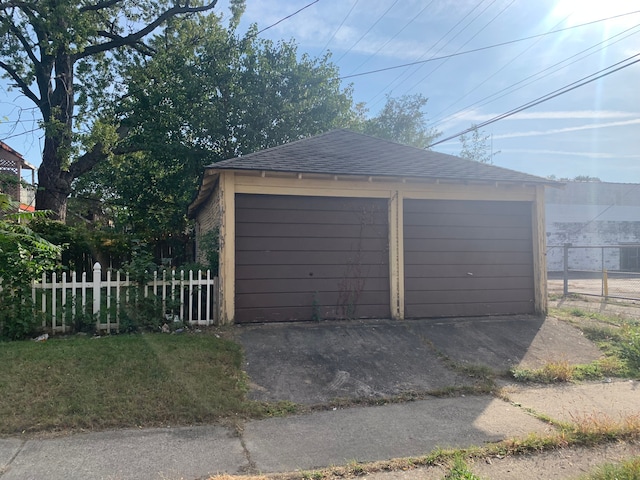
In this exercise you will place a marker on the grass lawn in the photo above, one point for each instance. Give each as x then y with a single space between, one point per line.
120 381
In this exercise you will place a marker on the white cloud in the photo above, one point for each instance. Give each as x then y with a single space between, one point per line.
595 155
475 116
536 133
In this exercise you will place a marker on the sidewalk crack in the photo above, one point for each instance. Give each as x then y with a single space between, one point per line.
251 467
5 468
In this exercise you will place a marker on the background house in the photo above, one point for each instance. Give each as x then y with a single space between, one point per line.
343 225
14 165
597 214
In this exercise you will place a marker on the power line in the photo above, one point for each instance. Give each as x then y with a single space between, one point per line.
437 115
432 47
511 88
340 26
397 33
556 93
462 46
286 18
370 28
21 133
510 42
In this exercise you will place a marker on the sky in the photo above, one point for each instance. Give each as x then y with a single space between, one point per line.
500 55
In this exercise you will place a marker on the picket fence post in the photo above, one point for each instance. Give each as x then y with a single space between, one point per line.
97 278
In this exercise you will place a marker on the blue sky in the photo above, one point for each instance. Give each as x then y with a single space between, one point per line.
593 130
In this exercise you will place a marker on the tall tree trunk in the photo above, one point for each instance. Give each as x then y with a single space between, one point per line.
54 178
54 185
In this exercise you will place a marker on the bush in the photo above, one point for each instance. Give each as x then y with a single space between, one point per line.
24 256
630 346
142 311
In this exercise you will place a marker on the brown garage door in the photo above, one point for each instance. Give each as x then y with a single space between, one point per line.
306 258
465 258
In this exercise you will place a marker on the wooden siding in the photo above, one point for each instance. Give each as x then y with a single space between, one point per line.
300 257
465 258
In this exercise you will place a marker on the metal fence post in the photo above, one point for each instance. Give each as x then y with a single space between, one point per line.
97 279
604 271
565 267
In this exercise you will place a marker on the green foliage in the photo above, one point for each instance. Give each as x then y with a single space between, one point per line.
460 471
401 120
24 256
143 310
207 95
630 346
210 245
64 56
477 147
316 308
82 246
627 470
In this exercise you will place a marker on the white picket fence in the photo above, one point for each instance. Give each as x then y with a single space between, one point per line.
189 298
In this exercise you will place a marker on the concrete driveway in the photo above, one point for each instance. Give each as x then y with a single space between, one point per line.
314 363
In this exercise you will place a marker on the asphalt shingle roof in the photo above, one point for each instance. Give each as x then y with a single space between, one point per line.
343 152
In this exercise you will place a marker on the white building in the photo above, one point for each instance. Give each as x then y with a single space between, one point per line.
596 214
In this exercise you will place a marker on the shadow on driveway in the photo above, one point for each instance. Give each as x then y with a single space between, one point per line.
313 363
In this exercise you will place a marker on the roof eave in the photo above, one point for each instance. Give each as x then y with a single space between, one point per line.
207 186
401 178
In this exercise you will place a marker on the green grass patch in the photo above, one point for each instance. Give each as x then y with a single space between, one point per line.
121 381
460 470
618 338
578 315
628 470
563 371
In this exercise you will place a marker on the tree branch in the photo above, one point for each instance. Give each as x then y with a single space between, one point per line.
22 39
20 83
139 46
134 37
90 159
5 5
99 6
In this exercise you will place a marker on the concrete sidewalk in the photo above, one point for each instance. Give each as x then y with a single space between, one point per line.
311 441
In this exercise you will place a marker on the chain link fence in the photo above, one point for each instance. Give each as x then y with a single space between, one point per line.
609 271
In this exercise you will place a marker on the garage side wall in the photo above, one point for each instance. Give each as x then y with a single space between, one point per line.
207 220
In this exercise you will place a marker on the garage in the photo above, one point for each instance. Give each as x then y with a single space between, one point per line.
344 226
464 258
311 258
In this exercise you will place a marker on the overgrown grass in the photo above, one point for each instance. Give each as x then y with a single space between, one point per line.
616 336
460 470
562 371
121 381
575 315
628 470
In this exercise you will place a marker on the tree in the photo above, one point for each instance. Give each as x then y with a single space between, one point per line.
60 55
477 147
586 178
579 178
207 95
24 255
401 120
